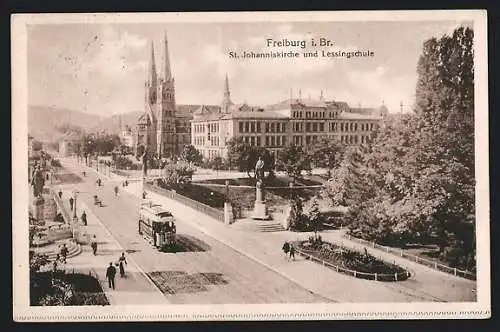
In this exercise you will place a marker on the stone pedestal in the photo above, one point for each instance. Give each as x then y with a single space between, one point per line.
228 213
259 210
38 210
286 221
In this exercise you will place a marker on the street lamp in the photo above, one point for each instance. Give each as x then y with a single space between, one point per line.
75 194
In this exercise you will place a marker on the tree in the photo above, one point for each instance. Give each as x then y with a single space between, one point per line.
415 180
177 175
245 156
326 154
296 217
314 217
293 160
190 154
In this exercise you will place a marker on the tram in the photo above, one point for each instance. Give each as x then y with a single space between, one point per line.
157 226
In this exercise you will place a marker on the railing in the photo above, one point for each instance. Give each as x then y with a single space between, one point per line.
429 263
212 212
60 204
362 275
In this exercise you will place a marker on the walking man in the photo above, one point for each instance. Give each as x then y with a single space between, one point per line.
116 190
110 274
60 194
122 260
71 203
286 248
84 218
292 251
93 244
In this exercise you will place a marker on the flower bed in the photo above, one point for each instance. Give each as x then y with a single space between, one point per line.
348 261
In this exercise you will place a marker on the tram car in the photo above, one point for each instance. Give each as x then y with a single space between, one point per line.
157 226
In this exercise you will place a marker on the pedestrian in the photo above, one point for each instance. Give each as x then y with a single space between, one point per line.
292 251
116 190
60 194
143 195
64 253
84 218
286 248
122 260
126 183
93 244
110 274
84 174
71 203
98 182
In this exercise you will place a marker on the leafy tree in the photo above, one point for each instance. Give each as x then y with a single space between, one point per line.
244 156
296 217
190 154
314 217
327 153
177 175
415 181
293 160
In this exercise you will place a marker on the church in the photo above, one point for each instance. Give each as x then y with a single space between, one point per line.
160 129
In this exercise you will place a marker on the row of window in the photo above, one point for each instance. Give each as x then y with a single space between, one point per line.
209 127
353 126
255 127
354 139
314 115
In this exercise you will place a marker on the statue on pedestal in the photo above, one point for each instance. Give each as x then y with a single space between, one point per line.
37 181
259 211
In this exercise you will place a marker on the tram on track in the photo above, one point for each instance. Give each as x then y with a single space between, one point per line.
157 226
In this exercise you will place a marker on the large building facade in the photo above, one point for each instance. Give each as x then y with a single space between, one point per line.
291 122
156 128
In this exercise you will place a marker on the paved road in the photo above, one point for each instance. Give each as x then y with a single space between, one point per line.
211 273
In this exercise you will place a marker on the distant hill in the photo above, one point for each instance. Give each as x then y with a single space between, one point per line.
112 124
43 120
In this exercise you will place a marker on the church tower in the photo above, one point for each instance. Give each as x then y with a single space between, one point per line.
226 102
166 137
151 100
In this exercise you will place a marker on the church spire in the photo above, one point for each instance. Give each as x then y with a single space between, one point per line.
227 94
226 103
321 96
152 66
166 64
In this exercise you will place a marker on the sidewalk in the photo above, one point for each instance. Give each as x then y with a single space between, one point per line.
135 287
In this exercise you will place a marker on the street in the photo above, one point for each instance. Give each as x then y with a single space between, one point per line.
207 272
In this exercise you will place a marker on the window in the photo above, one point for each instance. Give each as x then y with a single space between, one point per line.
315 126
252 141
247 127
283 140
252 127
258 127
308 127
356 126
258 140
273 141
241 126
267 127
267 140
321 127
342 127
308 140
272 127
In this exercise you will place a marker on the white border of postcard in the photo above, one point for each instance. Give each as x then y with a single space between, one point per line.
23 312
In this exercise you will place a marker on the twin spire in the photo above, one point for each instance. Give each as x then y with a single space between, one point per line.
166 70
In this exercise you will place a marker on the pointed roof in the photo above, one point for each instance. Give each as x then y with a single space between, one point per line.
152 65
167 72
226 87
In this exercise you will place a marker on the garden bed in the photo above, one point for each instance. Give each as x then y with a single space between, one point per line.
54 289
351 262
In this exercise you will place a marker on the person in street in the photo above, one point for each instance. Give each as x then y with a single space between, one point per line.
99 182
71 203
110 275
144 195
54 264
122 260
126 183
116 190
93 244
84 218
84 174
64 253
292 252
286 248
60 194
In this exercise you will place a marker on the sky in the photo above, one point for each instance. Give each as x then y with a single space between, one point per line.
101 68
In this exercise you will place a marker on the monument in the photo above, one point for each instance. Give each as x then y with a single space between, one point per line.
259 210
38 181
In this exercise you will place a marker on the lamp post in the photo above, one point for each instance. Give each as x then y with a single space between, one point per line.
75 194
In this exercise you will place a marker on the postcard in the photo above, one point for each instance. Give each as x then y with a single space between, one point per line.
320 165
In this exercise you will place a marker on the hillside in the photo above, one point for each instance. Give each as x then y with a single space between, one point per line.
42 121
112 124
